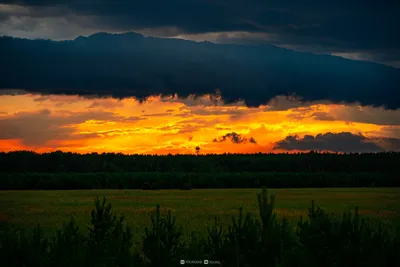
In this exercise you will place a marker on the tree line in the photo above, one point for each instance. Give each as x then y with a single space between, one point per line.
189 180
312 162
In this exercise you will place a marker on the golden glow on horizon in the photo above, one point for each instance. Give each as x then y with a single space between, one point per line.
162 125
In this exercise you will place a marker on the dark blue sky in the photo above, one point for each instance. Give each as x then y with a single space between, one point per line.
366 30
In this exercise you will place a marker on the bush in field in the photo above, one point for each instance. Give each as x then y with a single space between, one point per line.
253 242
68 246
195 247
162 244
249 241
349 241
110 238
21 248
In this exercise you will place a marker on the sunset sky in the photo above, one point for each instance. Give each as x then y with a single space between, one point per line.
253 87
174 125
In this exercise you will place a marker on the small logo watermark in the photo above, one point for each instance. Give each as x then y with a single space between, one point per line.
200 262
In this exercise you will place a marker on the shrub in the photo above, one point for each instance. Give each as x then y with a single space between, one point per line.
162 243
68 247
23 248
110 238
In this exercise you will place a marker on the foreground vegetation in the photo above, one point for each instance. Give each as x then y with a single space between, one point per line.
262 240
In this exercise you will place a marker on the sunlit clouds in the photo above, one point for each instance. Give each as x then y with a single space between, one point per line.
162 125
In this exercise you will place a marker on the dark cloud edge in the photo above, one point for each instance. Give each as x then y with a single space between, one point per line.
235 138
255 74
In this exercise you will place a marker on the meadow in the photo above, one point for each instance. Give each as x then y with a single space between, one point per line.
194 209
200 224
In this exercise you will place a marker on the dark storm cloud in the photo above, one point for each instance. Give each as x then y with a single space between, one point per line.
339 142
360 25
235 138
356 51
364 31
132 65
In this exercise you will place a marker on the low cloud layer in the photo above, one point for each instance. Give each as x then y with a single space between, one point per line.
345 142
38 128
350 113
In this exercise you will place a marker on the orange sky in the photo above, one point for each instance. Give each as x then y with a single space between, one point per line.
174 125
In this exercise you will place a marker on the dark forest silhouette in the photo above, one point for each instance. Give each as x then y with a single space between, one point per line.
26 161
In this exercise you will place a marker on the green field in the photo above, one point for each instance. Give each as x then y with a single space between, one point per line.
193 209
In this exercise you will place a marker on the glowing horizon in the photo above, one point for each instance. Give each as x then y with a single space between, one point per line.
174 125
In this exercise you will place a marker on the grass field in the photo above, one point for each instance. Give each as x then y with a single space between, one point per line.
193 209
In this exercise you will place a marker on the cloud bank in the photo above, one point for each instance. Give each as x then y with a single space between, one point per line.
132 65
345 142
